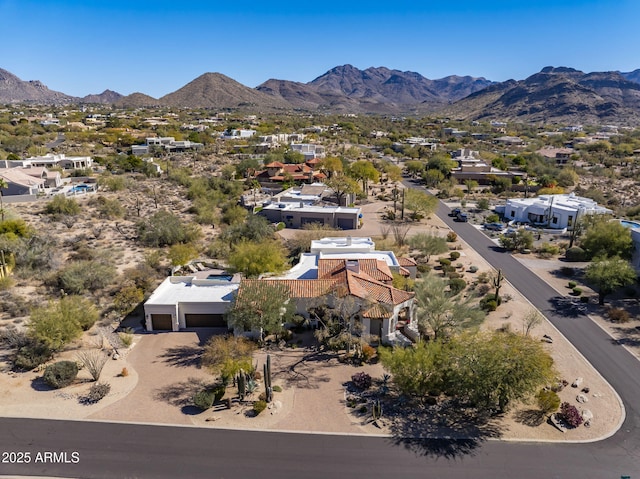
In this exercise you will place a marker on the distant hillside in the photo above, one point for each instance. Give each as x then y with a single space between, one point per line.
214 90
15 90
105 97
633 76
372 90
136 100
556 95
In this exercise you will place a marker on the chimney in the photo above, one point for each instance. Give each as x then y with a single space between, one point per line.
353 265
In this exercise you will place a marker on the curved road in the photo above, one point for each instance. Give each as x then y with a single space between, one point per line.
135 451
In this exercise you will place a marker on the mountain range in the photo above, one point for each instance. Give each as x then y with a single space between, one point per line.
555 94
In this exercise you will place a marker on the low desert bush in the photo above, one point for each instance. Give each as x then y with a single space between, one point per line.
203 399
32 355
454 255
60 374
548 401
575 253
259 406
570 414
576 291
368 352
572 284
452 236
618 315
97 392
276 389
456 285
361 380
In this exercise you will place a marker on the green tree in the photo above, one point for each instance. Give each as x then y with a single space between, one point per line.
471 186
342 186
415 167
128 297
429 244
164 228
78 277
292 156
439 312
433 177
331 166
417 371
517 241
61 322
494 369
227 356
263 305
253 259
607 238
181 253
365 172
609 274
420 204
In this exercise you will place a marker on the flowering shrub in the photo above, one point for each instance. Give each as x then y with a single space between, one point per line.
570 414
361 380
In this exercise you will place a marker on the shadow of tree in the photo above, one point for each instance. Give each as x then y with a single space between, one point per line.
38 384
568 307
631 342
530 417
182 356
445 430
307 372
180 394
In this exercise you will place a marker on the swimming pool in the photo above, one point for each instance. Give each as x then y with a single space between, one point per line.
220 277
81 188
630 224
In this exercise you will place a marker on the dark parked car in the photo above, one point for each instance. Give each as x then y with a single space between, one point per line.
494 226
462 217
455 212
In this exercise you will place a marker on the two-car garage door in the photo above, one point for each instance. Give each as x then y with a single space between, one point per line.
205 321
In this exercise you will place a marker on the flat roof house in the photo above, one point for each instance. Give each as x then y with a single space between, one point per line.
296 215
552 211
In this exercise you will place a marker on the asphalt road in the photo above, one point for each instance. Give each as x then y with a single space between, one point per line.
134 451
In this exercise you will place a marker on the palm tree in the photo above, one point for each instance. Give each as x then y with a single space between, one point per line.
3 184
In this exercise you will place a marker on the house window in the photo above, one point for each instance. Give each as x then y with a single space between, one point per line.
570 220
513 213
554 220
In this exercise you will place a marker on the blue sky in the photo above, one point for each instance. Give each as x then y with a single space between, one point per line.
155 47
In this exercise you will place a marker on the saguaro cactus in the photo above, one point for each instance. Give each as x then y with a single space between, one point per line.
242 385
376 410
267 379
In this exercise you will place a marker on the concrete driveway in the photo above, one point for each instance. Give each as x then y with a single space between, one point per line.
168 365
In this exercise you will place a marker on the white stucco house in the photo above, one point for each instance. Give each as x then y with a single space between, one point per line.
334 268
551 211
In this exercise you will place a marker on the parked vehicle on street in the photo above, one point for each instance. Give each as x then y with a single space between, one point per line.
494 226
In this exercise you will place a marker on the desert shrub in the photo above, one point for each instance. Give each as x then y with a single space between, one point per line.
259 406
61 205
548 401
6 283
15 228
473 269
164 228
456 285
125 338
97 392
424 268
361 380
575 253
204 399
572 284
32 355
483 288
453 274
447 268
492 218
60 322
60 374
452 236
444 262
454 255
79 277
93 361
484 277
483 204
489 303
546 250
576 291
277 389
218 392
584 299
368 352
108 208
570 414
618 315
